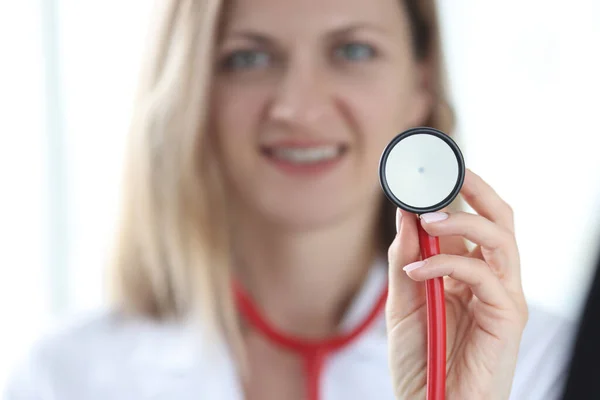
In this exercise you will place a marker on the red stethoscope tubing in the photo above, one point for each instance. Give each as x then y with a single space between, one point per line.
313 352
436 322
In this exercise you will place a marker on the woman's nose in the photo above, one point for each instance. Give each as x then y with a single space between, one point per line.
302 96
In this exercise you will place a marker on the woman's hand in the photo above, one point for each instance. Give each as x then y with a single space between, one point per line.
485 306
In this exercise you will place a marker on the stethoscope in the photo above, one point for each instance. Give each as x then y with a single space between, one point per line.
422 170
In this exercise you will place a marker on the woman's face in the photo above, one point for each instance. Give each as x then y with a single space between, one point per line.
307 93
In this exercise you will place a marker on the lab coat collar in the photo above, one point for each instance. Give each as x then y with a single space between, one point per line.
375 283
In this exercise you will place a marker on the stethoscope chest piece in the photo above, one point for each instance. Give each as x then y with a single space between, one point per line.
422 170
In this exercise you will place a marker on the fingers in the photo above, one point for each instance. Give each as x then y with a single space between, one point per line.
486 202
404 294
473 272
472 227
454 245
499 246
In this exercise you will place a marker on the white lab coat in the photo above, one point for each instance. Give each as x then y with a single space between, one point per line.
108 357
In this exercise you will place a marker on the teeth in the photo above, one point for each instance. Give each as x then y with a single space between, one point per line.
307 155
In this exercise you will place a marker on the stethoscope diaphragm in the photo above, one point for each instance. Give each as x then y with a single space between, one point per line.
422 170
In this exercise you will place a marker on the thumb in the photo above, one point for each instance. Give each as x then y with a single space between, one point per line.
404 294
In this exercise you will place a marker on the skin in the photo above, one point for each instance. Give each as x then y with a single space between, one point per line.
342 72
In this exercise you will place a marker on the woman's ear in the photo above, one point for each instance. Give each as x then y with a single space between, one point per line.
423 98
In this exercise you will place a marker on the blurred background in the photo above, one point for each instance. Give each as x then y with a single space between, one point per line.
525 81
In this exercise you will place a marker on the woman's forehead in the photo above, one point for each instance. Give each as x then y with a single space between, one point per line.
312 14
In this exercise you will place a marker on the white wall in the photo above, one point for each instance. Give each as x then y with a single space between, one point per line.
525 80
526 83
100 49
24 198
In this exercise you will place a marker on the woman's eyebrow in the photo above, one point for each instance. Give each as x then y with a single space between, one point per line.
357 26
252 36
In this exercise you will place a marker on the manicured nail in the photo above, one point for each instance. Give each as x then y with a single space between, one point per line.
398 220
434 217
413 266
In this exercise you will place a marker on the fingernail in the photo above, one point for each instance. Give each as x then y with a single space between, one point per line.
413 266
398 220
434 217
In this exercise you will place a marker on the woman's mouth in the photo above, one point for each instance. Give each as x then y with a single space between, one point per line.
308 155
305 159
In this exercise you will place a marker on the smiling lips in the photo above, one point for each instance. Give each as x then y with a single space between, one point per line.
304 158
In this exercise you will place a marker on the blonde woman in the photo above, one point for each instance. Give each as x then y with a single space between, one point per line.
252 258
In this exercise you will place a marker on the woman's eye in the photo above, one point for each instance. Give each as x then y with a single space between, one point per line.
355 52
246 59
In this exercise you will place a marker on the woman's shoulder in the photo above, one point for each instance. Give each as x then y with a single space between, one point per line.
547 337
544 355
545 323
101 334
108 351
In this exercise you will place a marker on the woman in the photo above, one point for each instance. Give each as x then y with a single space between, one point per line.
253 214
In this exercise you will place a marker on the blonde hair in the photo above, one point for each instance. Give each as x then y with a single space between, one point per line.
172 250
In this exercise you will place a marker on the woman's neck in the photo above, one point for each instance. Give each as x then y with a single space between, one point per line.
304 281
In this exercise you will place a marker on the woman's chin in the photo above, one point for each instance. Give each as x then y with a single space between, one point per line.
304 219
